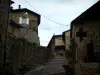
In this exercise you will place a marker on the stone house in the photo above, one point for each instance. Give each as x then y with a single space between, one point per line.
21 39
85 41
57 45
66 40
29 20
22 31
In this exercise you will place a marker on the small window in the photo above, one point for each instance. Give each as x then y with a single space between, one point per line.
23 20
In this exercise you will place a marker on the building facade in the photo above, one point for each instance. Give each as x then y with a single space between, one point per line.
22 38
57 45
29 20
85 36
66 39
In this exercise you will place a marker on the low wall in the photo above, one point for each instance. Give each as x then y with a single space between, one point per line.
23 54
89 69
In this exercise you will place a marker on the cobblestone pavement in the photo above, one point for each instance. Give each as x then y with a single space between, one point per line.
53 67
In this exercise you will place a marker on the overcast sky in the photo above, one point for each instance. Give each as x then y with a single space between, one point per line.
57 13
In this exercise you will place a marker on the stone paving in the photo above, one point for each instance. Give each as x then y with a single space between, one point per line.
53 67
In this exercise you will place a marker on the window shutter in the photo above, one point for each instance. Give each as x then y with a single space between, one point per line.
27 20
20 20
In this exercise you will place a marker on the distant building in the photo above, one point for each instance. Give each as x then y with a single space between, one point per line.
66 39
29 20
57 45
67 44
85 36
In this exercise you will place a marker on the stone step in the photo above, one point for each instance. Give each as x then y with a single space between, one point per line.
61 73
58 63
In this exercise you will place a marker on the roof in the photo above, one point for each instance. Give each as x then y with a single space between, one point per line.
53 37
57 36
11 22
66 31
27 10
91 14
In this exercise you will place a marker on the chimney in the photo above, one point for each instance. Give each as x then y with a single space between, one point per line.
19 6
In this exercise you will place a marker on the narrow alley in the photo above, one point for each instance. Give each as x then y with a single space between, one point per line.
53 67
49 37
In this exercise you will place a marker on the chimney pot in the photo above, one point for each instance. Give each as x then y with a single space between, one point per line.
19 6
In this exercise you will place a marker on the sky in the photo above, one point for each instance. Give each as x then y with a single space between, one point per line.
56 15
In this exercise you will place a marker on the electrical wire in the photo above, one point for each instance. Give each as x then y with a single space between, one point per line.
44 15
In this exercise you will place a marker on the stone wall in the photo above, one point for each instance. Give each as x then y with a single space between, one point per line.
37 56
59 41
67 40
23 54
90 68
92 30
30 35
81 51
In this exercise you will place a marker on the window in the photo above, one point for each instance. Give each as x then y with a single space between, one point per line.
23 20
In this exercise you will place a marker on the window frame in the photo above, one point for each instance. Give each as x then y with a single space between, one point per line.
22 20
